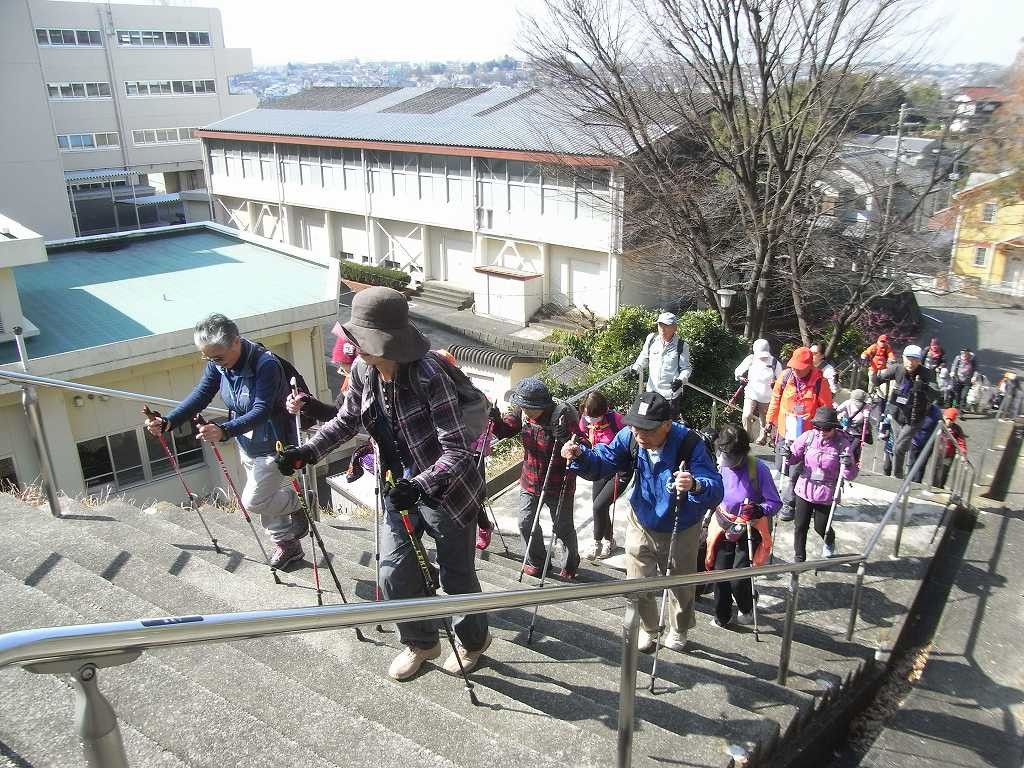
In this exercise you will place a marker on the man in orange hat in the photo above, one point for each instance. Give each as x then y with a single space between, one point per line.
878 357
949 447
799 392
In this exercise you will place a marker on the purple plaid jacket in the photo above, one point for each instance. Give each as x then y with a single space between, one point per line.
432 433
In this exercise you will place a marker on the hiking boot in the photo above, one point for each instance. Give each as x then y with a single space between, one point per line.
787 514
645 641
409 661
483 537
531 570
718 624
746 619
609 547
470 659
828 550
567 575
285 552
300 525
594 551
354 471
674 641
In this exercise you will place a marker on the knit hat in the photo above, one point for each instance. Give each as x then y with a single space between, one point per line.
952 414
380 326
859 395
531 393
667 318
801 358
913 352
825 418
648 411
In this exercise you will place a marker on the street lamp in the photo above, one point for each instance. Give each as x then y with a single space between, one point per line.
725 301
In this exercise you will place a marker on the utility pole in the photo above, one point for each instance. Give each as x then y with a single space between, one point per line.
895 165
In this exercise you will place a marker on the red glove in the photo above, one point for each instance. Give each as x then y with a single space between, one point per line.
750 512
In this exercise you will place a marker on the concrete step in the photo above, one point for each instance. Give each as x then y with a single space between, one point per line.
508 723
537 684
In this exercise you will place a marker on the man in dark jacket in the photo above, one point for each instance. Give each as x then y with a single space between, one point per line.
250 381
664 497
912 391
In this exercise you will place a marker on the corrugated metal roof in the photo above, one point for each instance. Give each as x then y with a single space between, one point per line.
96 173
338 99
145 200
435 100
525 123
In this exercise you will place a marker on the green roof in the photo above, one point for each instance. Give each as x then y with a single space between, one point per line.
111 290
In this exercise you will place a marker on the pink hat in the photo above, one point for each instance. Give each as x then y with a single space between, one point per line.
344 352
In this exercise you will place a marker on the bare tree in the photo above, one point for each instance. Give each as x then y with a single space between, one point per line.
754 94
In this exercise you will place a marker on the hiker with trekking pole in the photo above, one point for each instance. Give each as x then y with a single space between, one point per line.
661 534
546 425
600 423
421 413
739 534
825 457
666 356
252 383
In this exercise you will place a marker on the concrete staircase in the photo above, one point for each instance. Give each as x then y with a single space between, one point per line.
445 296
323 699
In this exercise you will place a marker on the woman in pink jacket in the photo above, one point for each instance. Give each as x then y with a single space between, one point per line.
823 454
600 424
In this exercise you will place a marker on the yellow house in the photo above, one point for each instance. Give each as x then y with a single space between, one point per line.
988 243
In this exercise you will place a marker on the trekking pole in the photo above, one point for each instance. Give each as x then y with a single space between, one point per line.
480 466
376 527
431 591
753 591
863 436
775 521
536 519
615 499
200 421
192 498
555 519
318 542
832 511
680 500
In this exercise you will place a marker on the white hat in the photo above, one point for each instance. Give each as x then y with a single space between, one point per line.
912 351
667 318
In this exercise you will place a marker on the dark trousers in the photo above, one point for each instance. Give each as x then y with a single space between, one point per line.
942 472
605 492
401 577
792 472
563 528
733 554
805 512
904 452
958 392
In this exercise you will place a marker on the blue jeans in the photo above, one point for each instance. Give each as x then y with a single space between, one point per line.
401 577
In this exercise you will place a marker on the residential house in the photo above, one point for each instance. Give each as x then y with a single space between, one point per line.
988 247
974 105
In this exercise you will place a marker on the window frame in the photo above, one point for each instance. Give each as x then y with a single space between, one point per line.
152 460
987 218
75 142
150 88
983 251
92 38
151 38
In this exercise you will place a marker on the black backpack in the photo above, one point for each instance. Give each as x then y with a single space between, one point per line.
290 372
690 441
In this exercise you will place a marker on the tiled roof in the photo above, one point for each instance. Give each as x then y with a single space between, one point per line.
982 93
488 118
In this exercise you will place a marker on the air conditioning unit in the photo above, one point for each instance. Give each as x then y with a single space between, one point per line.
485 218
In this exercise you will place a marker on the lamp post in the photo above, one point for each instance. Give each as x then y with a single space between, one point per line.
725 301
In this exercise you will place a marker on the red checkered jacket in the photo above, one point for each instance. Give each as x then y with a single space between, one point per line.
538 439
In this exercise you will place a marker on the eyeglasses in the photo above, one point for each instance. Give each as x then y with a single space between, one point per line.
216 359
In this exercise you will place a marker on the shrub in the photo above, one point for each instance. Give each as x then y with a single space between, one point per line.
371 275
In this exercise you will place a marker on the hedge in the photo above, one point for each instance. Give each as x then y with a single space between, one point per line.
365 273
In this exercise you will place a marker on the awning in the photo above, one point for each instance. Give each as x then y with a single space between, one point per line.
151 199
96 173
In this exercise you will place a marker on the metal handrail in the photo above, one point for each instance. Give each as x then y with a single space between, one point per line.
44 381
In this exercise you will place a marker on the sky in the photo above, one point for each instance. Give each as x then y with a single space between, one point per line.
279 31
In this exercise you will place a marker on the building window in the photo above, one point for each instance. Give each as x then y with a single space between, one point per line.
151 39
980 257
988 213
118 460
62 91
8 475
84 142
145 136
184 445
64 37
169 87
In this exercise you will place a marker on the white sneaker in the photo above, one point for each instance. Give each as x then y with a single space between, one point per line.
609 547
674 641
593 552
827 551
645 641
409 661
746 619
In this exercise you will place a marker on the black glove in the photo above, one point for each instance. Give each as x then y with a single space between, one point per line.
787 451
494 414
845 459
292 458
404 494
149 413
750 511
677 385
632 374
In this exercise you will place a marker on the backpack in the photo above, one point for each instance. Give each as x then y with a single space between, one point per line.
290 372
787 376
473 403
690 441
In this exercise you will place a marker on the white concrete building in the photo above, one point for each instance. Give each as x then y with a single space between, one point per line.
101 104
117 311
470 186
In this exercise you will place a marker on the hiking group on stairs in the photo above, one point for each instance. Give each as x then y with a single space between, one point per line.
693 502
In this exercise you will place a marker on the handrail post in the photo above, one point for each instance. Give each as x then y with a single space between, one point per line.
901 523
935 463
792 597
855 603
627 684
96 722
30 402
714 415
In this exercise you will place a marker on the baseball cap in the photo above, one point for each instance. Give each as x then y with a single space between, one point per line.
912 351
648 411
667 318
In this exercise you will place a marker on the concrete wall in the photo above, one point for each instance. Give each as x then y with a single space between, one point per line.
32 191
